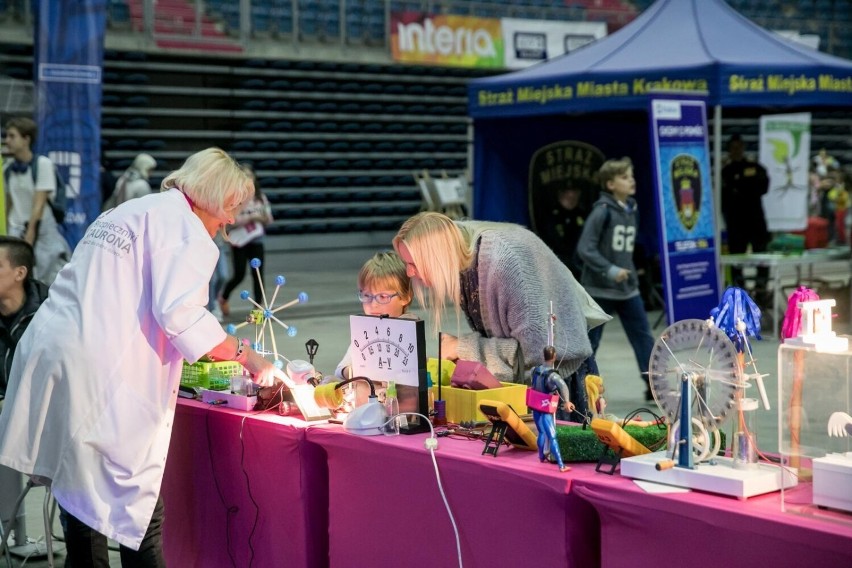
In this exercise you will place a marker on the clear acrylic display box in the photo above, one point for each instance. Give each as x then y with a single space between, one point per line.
814 391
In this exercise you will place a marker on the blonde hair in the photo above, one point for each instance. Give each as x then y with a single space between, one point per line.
611 169
440 250
213 180
386 269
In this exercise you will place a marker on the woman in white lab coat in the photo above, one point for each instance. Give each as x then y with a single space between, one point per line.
92 390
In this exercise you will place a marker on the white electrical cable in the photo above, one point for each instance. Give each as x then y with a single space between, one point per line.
432 447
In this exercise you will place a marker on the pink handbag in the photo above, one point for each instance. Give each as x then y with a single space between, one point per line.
542 402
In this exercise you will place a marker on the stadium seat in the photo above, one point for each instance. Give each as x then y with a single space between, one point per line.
138 122
280 106
293 146
267 146
242 146
281 126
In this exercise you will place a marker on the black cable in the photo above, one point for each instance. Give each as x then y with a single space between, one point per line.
248 489
660 422
229 510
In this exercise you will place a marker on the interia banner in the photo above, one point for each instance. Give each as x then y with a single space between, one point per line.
446 39
785 147
531 41
685 216
68 60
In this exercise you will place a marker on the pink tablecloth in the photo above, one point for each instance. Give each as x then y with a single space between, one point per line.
385 509
261 502
703 530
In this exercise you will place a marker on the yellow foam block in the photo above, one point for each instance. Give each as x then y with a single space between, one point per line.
463 404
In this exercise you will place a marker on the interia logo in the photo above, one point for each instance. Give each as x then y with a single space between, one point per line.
444 40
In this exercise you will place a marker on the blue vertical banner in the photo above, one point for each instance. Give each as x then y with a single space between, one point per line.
68 61
684 200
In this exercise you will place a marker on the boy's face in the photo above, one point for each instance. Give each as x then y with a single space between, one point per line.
623 185
11 277
15 143
395 306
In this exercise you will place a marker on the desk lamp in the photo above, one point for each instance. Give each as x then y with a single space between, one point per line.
365 420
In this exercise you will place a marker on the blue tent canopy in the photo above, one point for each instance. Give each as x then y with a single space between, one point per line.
674 45
599 95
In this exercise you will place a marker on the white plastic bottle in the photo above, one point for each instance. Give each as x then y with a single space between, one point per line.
391 410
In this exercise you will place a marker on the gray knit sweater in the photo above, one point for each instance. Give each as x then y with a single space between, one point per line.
518 277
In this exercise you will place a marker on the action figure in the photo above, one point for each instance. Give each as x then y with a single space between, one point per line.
546 380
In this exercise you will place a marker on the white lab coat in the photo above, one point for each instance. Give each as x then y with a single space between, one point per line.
94 382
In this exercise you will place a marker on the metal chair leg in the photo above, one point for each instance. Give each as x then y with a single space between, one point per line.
4 547
5 550
48 528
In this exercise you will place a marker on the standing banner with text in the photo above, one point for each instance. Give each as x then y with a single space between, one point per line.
683 190
785 149
68 59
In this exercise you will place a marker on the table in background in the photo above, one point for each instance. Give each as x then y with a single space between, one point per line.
776 261
385 508
702 530
260 502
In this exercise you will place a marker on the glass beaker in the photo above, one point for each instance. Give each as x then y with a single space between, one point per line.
745 441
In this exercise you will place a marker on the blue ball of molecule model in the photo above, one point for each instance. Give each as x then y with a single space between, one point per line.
255 263
303 297
255 345
291 331
244 295
280 280
279 364
231 329
267 314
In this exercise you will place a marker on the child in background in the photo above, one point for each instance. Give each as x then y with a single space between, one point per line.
246 239
609 276
383 289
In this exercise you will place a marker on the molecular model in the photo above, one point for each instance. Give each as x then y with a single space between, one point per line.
263 316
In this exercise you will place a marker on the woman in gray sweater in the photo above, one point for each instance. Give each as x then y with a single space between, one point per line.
504 279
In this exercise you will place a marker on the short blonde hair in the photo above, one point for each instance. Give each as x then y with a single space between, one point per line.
611 169
386 269
213 180
441 251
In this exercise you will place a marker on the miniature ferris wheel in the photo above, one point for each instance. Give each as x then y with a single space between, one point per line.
262 317
694 377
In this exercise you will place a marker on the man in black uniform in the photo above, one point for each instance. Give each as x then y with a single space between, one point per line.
564 225
744 182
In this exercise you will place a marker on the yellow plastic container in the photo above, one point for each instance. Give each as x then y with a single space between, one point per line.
463 404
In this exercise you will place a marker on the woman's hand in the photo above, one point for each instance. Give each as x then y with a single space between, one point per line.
449 347
263 372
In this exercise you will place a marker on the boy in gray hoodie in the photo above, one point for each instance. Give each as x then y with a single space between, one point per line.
606 249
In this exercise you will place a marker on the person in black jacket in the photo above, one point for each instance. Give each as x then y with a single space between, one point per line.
20 297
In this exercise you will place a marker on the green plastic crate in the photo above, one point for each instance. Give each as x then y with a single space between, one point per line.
206 375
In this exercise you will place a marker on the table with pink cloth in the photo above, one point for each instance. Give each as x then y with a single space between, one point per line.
704 530
243 489
385 509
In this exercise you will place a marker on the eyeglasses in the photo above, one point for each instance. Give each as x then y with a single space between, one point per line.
378 298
